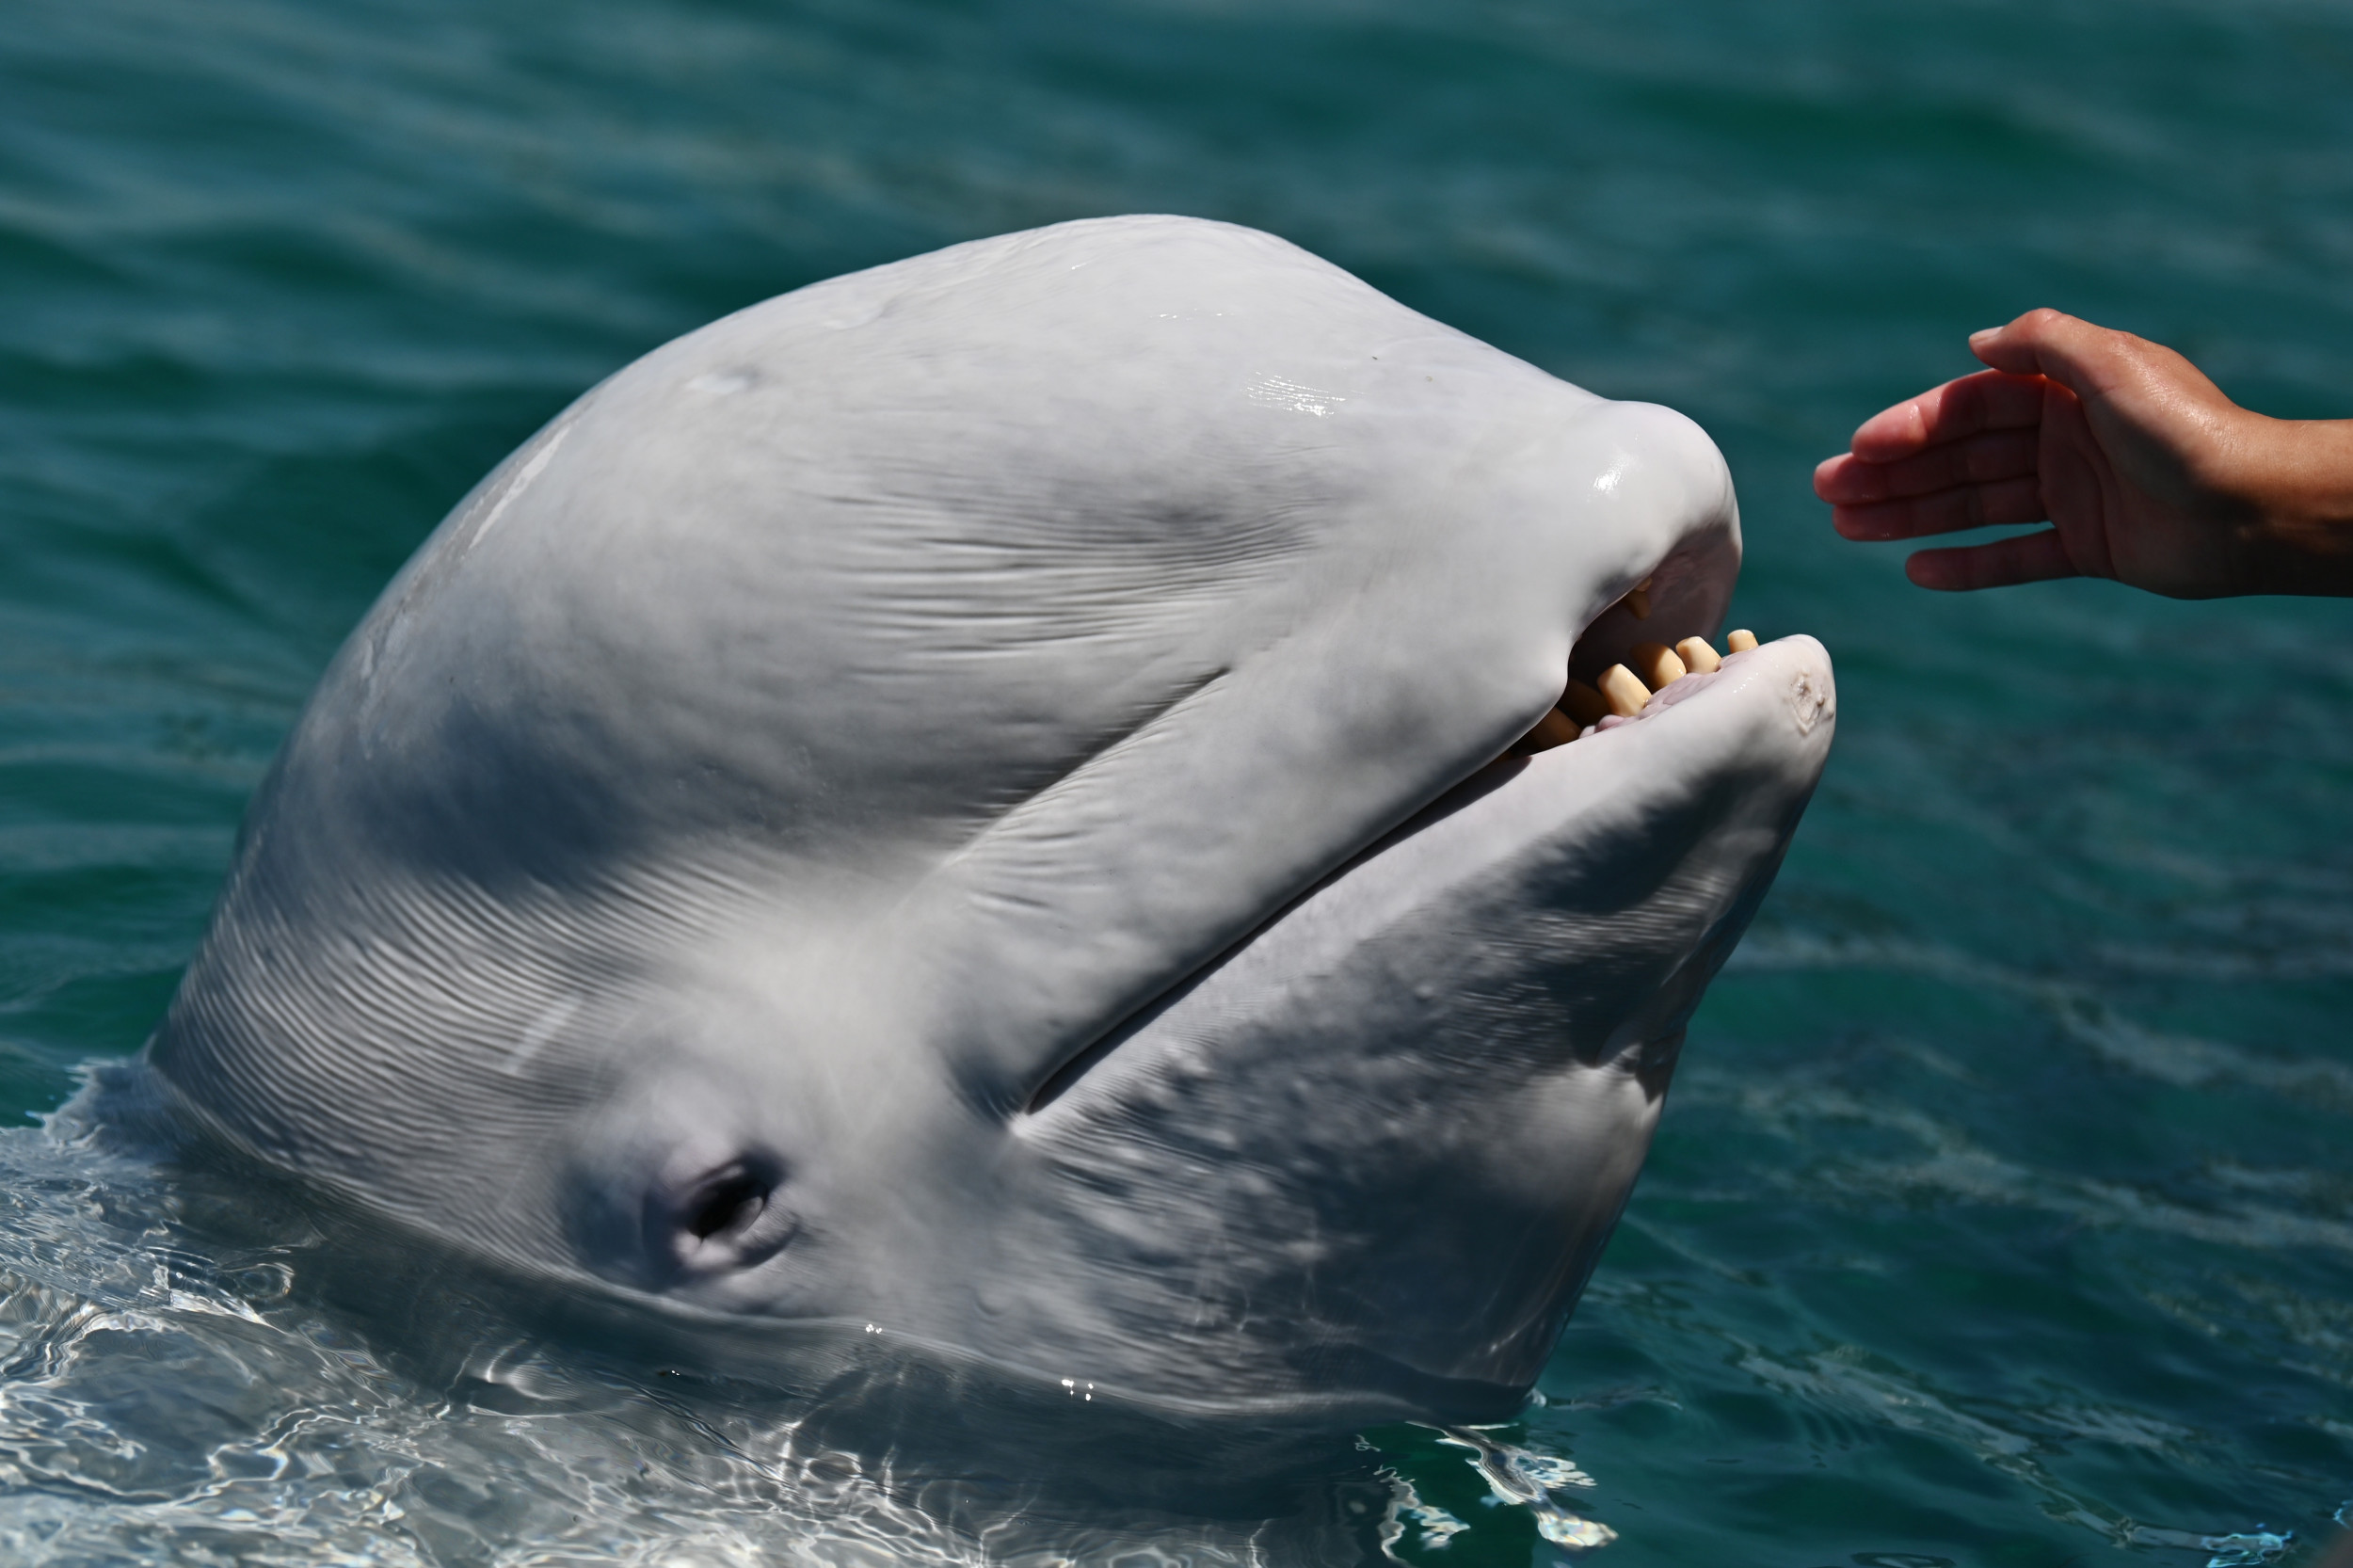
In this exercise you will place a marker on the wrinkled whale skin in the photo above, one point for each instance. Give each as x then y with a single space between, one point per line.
961 802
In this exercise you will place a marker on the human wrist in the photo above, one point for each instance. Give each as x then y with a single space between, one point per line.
2294 533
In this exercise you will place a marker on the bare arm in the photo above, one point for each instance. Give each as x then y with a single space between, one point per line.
2147 471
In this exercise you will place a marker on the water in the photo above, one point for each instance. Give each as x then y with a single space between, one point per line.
2002 1212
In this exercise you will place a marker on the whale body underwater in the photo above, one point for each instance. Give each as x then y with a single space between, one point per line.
982 803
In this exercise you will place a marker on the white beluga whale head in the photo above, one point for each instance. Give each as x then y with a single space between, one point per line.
969 801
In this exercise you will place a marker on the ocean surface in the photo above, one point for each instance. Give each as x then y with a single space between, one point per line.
2003 1208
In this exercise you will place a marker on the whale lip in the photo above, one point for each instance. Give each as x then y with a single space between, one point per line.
1794 670
1691 581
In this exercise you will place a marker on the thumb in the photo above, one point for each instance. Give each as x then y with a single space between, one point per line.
2047 343
2105 368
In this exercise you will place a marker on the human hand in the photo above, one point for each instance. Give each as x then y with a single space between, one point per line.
2147 471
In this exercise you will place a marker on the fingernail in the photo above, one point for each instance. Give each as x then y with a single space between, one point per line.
1985 332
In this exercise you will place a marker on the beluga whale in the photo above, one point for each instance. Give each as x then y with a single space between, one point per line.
1108 804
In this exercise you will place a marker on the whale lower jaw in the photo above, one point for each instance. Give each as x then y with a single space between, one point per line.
1397 1125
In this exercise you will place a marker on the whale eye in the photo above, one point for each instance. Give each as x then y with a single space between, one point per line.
727 1218
730 1203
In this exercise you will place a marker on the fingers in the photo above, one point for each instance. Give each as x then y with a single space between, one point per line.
2008 500
1979 459
1989 400
1957 457
2024 558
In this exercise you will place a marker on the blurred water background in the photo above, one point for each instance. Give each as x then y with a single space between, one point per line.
2002 1212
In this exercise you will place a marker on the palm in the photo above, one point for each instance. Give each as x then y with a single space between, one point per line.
2122 503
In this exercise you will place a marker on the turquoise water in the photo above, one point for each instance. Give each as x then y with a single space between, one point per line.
2002 1212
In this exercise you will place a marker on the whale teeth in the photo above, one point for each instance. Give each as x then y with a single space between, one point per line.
1583 704
1554 729
1623 691
1637 600
1698 658
1656 663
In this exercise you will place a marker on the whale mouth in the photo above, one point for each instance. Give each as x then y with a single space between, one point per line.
1626 688
1621 671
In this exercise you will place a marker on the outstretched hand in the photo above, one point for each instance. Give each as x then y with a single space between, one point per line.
2147 471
